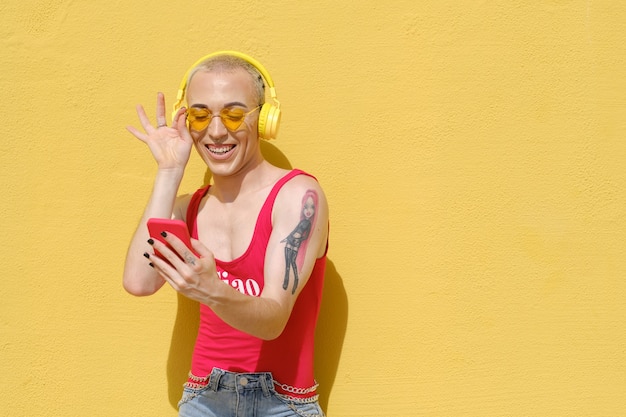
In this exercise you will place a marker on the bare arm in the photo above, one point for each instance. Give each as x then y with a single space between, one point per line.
170 147
139 278
264 316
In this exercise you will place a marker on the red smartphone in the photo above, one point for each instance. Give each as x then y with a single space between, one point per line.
173 226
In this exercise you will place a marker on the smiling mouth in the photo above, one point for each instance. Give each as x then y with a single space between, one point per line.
220 150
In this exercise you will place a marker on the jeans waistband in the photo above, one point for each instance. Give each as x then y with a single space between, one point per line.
220 379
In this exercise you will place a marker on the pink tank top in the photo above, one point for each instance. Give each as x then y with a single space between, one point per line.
290 356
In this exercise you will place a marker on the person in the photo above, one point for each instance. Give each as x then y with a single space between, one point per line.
260 233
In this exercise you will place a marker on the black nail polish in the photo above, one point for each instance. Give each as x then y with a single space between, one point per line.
151 264
146 254
150 241
163 234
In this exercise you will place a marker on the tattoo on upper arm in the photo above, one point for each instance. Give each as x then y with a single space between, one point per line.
296 242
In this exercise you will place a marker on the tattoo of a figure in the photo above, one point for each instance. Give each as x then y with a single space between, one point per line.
296 242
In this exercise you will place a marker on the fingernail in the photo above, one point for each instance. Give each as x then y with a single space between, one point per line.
163 234
151 241
151 264
146 254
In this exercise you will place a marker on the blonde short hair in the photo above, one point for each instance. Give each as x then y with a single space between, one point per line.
229 63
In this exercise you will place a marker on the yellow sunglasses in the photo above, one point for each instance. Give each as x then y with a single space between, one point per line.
232 117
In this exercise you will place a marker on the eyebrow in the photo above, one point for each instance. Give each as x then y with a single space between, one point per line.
231 104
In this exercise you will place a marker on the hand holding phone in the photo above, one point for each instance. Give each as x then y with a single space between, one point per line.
172 226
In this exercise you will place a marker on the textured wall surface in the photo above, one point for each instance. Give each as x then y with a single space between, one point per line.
473 155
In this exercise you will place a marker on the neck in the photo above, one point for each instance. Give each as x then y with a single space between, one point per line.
228 188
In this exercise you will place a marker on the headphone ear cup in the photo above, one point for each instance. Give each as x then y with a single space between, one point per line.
269 120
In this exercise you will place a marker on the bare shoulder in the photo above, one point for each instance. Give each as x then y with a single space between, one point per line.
298 189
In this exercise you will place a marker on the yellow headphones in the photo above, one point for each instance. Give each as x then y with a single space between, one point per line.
269 116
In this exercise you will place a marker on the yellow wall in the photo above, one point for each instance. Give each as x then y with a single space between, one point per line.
473 154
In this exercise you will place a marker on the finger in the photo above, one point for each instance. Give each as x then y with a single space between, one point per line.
180 123
200 249
143 118
185 252
166 255
160 110
164 270
180 118
169 266
136 133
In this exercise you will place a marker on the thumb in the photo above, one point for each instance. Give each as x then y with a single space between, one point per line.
201 250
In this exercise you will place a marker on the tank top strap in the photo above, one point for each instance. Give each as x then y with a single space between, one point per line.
192 210
269 202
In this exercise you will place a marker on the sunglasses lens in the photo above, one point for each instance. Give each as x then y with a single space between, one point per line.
198 119
232 118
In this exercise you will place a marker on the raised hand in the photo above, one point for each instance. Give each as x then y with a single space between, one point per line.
170 146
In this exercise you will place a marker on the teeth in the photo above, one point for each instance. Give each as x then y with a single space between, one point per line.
220 149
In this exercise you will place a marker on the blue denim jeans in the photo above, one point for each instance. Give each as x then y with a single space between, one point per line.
228 394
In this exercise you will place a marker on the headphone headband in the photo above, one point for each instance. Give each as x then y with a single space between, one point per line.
269 115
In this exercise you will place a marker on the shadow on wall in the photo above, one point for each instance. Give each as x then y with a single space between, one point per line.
181 347
329 336
330 332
